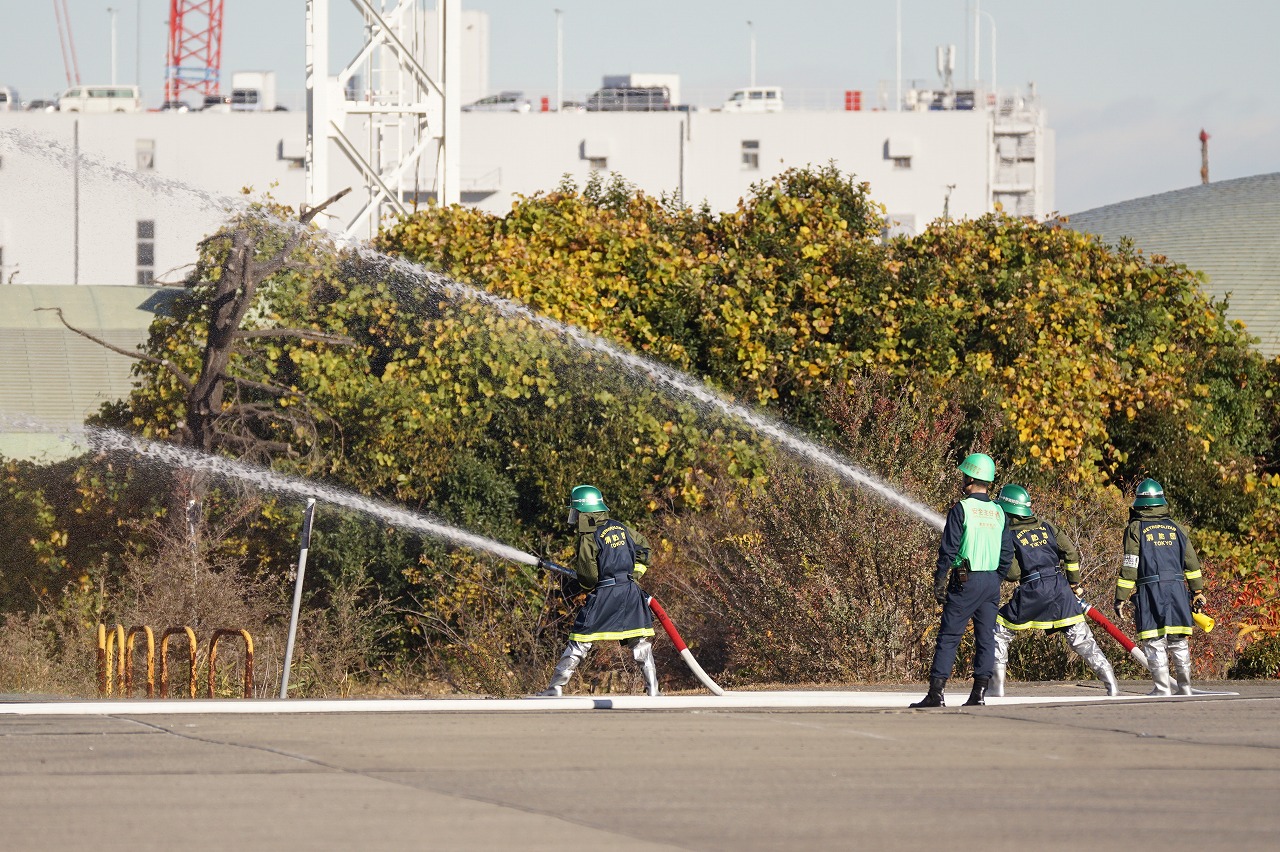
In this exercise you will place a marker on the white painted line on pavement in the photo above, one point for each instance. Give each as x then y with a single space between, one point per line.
730 700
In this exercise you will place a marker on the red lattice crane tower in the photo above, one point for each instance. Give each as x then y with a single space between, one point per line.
195 48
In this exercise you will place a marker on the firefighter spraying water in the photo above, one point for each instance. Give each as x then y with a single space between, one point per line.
1046 566
610 557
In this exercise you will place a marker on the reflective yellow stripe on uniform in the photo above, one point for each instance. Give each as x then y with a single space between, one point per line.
1041 625
639 570
1192 575
605 637
1173 630
1073 566
1122 583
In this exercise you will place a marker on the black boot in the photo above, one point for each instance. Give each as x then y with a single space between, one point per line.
934 698
978 696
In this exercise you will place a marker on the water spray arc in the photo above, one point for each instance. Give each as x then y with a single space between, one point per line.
110 440
681 383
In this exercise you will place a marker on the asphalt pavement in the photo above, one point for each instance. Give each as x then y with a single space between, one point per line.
1186 773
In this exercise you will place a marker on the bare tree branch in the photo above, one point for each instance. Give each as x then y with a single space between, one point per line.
266 387
299 333
178 374
306 214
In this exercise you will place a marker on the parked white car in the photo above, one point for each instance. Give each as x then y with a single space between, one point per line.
755 99
101 99
501 102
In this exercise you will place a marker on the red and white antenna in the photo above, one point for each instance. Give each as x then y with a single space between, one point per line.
194 58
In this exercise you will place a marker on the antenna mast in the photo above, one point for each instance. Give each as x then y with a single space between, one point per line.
69 63
1204 156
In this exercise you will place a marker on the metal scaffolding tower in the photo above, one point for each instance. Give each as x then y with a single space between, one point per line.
389 125
195 49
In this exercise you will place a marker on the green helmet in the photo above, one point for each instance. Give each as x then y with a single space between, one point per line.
1015 500
587 498
978 466
1149 493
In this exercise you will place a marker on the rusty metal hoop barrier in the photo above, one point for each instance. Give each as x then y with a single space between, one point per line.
248 659
102 658
108 658
151 660
164 659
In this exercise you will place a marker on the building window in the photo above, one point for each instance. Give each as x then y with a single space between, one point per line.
146 152
751 154
598 164
146 251
898 225
902 162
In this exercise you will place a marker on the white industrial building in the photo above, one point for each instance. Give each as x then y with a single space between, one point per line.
144 188
96 210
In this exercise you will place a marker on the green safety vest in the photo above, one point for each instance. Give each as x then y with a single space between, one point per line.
983 534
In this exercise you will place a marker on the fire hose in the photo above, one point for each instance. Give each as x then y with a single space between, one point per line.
667 625
1202 621
1116 633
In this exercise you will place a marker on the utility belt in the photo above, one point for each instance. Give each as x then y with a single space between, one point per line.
1156 578
960 573
1036 575
612 581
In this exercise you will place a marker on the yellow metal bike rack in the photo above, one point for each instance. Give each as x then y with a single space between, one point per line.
151 660
108 659
248 659
115 659
164 659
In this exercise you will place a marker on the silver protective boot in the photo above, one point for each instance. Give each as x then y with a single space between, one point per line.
1180 652
1081 640
1158 665
642 653
1004 637
569 660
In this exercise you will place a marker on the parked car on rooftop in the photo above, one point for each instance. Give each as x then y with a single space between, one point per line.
755 99
501 102
216 103
629 99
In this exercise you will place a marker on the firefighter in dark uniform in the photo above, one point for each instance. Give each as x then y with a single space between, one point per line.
1160 565
1046 598
973 557
610 555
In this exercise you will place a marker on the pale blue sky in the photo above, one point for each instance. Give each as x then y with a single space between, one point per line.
1127 83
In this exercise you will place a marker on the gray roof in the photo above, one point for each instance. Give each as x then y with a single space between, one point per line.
53 379
1229 230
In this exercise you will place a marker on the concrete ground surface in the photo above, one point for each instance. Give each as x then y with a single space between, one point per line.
1185 773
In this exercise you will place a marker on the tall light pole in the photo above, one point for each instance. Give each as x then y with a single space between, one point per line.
559 61
977 38
137 43
897 90
112 12
751 35
992 21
